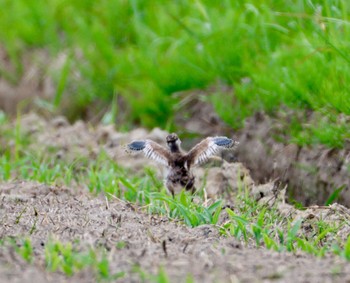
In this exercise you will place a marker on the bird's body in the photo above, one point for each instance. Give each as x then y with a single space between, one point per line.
178 162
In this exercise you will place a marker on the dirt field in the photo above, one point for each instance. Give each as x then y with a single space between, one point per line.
138 246
150 242
141 247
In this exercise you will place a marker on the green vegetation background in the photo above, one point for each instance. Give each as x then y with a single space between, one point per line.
270 53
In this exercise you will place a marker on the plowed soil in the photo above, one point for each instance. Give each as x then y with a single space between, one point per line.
150 242
42 213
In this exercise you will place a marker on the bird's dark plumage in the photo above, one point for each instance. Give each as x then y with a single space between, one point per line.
223 141
178 162
137 145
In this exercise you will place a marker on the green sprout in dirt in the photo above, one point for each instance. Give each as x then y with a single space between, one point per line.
69 260
261 225
26 250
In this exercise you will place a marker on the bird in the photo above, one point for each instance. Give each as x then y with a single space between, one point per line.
178 162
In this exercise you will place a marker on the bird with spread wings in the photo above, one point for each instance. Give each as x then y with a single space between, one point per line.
179 163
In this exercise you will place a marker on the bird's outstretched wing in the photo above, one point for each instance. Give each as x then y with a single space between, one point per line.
208 147
150 149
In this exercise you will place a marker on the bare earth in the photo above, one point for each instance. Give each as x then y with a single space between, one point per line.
66 215
150 242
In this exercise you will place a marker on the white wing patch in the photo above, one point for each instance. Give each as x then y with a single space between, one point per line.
214 146
211 150
153 154
151 150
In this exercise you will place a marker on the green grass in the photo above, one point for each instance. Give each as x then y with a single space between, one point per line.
67 257
273 53
263 226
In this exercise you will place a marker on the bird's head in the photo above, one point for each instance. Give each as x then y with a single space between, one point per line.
173 142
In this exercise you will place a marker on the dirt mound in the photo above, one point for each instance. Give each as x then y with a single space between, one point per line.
312 173
336 214
150 242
